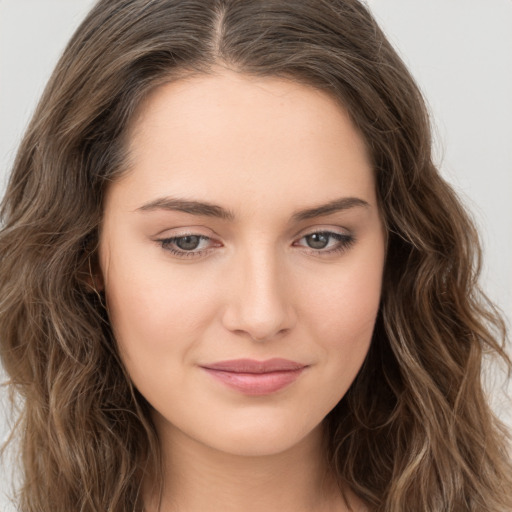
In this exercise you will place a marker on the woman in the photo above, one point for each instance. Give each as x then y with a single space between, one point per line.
232 278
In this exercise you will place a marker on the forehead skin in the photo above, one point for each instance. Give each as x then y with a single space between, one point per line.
220 124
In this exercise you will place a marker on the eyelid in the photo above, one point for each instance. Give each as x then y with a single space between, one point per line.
341 238
344 241
324 229
186 230
334 230
165 243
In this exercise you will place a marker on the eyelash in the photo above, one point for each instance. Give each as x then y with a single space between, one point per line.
166 244
345 242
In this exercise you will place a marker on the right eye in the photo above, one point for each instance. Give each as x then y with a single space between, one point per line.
186 246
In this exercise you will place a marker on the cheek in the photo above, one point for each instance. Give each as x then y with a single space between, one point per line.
342 317
346 305
155 313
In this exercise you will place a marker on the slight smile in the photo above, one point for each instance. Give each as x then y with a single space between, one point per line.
253 377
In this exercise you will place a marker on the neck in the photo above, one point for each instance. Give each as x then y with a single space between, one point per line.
197 477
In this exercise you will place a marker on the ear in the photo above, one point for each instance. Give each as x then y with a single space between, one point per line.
95 273
90 275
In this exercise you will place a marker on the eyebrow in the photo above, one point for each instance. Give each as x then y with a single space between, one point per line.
206 209
337 205
187 206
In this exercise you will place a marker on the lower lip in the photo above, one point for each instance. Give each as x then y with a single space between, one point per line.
256 383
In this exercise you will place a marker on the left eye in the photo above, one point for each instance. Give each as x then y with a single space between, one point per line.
326 240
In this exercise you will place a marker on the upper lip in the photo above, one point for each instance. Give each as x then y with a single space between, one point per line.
253 366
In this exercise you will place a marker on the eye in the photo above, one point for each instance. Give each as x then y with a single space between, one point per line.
188 243
187 246
326 242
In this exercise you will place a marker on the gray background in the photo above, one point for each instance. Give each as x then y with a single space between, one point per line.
460 52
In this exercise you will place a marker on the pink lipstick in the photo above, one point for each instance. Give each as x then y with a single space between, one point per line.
253 377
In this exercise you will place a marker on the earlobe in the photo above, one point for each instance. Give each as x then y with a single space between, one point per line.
95 277
91 277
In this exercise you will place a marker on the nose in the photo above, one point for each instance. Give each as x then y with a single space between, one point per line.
259 304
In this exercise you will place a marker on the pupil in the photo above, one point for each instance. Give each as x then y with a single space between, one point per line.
317 240
188 243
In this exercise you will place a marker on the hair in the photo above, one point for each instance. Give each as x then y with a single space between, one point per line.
415 430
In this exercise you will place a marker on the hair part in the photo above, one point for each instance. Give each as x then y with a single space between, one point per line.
414 431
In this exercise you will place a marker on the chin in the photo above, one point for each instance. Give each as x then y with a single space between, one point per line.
261 440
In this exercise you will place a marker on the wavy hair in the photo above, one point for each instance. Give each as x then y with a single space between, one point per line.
415 430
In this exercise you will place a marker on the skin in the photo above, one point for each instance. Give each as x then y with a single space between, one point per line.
262 149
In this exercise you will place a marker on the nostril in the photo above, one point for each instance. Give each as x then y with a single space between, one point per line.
259 328
273 335
259 305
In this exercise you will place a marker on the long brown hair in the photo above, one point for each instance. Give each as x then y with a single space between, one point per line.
414 432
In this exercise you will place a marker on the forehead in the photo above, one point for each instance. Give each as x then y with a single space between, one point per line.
228 136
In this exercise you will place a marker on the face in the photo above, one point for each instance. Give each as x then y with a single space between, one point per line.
246 228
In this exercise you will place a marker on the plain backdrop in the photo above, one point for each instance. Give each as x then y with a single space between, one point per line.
460 52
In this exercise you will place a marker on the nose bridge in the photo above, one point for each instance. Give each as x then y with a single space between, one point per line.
261 306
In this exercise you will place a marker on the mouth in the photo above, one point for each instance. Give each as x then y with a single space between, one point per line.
253 377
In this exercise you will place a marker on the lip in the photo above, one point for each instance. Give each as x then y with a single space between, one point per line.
253 377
